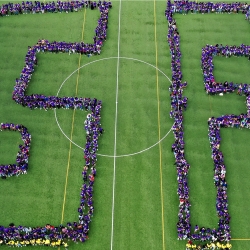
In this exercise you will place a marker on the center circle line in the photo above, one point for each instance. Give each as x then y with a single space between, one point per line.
98 60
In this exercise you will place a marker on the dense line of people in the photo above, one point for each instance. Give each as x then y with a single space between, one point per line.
214 125
34 242
248 105
186 6
50 235
215 237
21 165
27 7
176 89
213 87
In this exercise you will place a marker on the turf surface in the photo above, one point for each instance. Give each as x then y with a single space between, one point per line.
37 198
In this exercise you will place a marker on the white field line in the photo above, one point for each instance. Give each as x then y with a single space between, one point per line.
116 111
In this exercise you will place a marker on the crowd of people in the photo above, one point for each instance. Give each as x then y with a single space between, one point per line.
212 246
217 238
78 230
34 242
211 86
186 6
50 235
21 165
51 102
176 89
34 7
237 121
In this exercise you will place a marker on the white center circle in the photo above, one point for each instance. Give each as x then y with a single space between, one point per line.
103 59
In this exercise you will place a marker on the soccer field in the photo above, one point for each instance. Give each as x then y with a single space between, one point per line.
135 200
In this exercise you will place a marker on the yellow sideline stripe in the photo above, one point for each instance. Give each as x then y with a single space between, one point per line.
240 239
159 129
72 126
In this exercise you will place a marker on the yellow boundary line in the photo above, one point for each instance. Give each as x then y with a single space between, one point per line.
159 128
240 239
72 126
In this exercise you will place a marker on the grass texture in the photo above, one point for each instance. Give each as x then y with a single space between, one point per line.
142 213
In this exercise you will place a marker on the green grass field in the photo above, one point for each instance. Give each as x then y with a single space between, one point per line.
145 204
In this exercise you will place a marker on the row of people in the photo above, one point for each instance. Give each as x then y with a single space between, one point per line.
48 7
21 165
186 6
35 242
214 125
93 131
176 89
211 246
